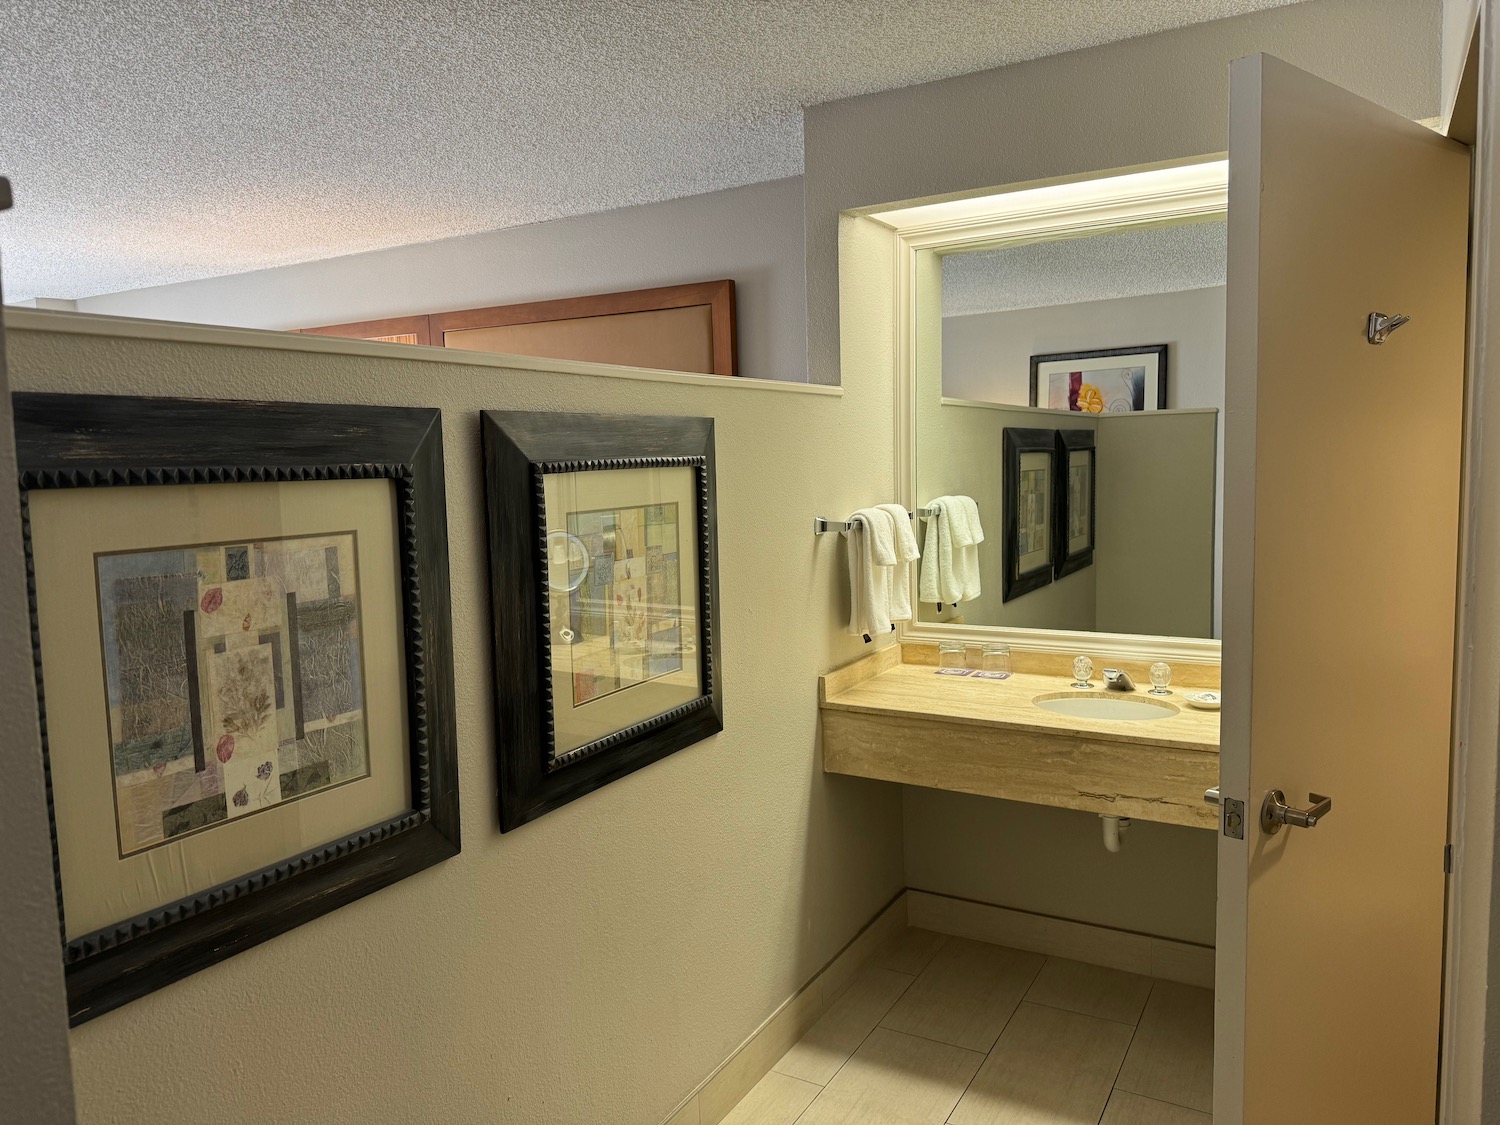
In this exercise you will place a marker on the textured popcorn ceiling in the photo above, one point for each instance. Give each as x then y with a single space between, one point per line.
1128 264
157 142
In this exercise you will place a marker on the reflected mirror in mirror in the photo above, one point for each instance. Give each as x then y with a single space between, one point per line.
1114 342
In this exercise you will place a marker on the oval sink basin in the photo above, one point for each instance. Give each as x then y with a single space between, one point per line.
1130 708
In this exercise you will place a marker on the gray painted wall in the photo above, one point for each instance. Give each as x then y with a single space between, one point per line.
752 235
36 1084
1158 98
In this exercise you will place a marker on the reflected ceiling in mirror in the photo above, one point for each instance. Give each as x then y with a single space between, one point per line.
987 318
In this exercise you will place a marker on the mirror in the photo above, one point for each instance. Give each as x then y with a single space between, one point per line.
1072 386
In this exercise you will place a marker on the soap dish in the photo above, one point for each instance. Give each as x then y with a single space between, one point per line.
1203 700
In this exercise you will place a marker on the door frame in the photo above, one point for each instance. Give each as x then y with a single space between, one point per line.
1469 1062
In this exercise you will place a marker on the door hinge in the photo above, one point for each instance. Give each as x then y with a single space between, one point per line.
1447 859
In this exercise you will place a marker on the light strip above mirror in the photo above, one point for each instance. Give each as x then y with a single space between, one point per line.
1163 193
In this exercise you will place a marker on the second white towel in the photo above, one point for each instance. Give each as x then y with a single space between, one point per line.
950 556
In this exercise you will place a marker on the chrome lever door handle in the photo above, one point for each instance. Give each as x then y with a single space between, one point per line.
1275 812
1211 796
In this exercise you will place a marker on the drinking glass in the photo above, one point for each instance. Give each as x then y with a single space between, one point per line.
995 658
952 654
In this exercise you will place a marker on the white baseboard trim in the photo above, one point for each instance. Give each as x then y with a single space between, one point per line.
727 1086
1178 961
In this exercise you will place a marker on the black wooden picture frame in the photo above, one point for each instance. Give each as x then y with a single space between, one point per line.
92 441
1069 443
1023 512
1154 397
520 450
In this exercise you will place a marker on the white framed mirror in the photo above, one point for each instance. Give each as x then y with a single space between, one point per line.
1091 311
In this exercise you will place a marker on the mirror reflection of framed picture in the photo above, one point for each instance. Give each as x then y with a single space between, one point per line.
603 582
1107 381
1030 472
1077 466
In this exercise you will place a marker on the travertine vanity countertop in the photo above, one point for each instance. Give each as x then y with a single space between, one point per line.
906 723
914 689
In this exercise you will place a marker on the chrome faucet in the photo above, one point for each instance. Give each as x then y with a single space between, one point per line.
1116 679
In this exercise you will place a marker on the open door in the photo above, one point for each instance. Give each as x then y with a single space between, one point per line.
1342 462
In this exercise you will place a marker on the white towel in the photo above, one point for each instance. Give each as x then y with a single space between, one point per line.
966 543
872 553
907 552
950 556
936 583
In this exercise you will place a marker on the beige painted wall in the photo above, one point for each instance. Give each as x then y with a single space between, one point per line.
1052 861
1155 523
596 965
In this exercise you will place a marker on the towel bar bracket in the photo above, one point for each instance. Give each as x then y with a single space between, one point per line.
823 526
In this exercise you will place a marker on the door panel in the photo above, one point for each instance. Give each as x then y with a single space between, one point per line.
1341 542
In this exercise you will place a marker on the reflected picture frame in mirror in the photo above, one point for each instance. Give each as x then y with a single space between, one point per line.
1029 510
1102 381
1077 471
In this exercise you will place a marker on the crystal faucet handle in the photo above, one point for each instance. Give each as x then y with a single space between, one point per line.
1083 668
1161 676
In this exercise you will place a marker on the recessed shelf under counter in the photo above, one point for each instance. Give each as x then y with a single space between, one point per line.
903 722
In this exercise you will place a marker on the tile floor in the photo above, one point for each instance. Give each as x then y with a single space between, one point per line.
942 1030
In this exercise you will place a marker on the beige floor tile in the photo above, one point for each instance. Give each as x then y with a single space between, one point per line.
895 1079
777 1099
1091 990
1172 1057
817 1056
1132 1109
911 951
966 995
1050 1067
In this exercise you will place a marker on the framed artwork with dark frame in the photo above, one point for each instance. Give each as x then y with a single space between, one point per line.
604 584
1030 480
1077 466
1107 381
240 615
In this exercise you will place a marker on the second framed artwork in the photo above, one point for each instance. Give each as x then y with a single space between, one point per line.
603 581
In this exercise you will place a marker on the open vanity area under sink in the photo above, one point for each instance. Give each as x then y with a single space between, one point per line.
894 716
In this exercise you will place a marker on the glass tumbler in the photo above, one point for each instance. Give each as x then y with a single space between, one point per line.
951 654
995 658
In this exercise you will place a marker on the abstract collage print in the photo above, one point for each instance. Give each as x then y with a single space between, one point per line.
234 679
625 617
